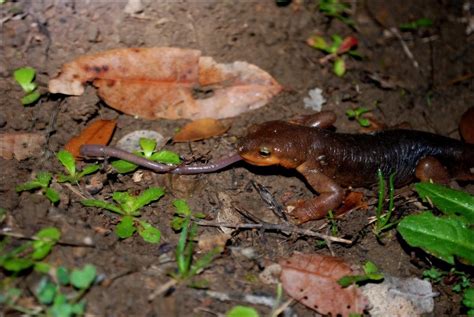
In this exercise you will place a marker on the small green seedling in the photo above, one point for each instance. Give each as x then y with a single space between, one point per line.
242 311
30 254
415 25
128 207
42 181
336 51
358 115
50 292
25 78
148 147
382 222
468 301
336 9
372 274
186 243
447 237
458 279
69 163
332 223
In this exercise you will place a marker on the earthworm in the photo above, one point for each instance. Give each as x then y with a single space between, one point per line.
95 150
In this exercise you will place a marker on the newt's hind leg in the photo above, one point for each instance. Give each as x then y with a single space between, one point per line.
330 196
322 119
430 168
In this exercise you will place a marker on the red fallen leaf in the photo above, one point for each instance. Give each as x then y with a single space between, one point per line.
164 83
347 44
21 145
312 280
200 129
352 201
97 132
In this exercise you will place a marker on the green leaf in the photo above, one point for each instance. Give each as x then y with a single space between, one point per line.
68 161
449 201
339 67
47 239
148 196
204 261
182 207
433 274
79 308
62 274
17 264
177 223
89 169
149 233
45 291
468 298
443 237
52 195
363 122
44 178
182 259
123 167
83 279
102 204
125 200
24 77
148 146
61 307
30 98
370 267
126 227
350 113
166 157
42 267
242 311
28 186
410 26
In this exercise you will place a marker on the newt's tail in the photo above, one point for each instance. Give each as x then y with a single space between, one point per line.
466 126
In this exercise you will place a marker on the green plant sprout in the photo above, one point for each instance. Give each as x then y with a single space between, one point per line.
128 207
382 222
148 147
186 243
42 181
336 9
242 311
371 274
446 237
468 301
25 78
30 254
415 25
332 223
358 115
54 301
336 51
69 163
460 280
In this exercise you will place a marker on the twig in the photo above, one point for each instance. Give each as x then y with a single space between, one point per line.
269 226
22 236
162 289
407 51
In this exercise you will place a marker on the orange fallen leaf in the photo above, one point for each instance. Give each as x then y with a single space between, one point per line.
21 145
312 280
165 83
200 129
98 132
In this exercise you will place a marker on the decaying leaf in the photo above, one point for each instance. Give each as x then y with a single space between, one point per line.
312 280
200 129
21 145
227 213
168 83
98 132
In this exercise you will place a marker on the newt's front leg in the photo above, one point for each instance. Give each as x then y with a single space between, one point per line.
330 195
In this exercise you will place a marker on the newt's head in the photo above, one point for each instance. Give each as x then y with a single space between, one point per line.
274 142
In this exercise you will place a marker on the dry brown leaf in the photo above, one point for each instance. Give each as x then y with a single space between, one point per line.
312 280
21 145
98 132
163 83
200 129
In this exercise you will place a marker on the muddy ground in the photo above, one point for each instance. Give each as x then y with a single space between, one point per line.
46 34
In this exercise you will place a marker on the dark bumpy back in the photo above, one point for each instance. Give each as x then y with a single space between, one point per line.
353 159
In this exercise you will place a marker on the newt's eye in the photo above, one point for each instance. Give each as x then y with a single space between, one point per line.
264 151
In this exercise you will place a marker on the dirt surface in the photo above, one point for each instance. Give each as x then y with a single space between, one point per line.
46 34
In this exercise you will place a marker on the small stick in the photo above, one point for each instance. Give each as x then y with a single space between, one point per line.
61 242
269 226
407 51
95 150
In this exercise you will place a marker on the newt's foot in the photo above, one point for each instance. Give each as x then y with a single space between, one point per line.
305 210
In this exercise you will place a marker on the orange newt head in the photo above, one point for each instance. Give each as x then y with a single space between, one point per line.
274 142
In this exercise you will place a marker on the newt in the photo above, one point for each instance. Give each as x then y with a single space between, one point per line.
330 161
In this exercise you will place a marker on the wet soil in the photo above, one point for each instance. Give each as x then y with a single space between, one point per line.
45 34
